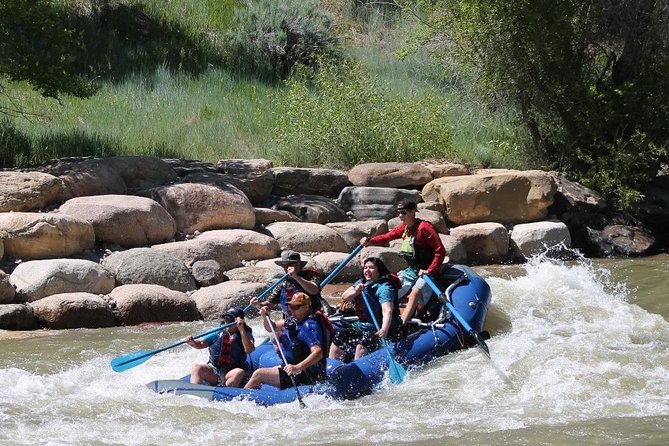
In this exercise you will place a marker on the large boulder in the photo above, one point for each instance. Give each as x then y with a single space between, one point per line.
374 203
625 239
401 175
142 172
256 273
139 303
551 236
200 207
503 197
73 310
27 191
307 237
37 279
244 166
208 273
127 221
353 231
88 177
256 186
249 245
17 317
485 243
312 208
217 299
265 216
228 247
148 265
328 261
455 249
33 235
7 291
292 180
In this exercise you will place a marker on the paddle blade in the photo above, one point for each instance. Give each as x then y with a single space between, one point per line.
126 362
481 344
397 372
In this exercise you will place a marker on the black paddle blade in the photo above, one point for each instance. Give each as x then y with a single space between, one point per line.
481 344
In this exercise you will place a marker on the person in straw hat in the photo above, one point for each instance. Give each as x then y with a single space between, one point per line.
300 279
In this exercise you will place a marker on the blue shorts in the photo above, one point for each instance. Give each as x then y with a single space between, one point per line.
410 280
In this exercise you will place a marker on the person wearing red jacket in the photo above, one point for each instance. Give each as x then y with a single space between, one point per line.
421 248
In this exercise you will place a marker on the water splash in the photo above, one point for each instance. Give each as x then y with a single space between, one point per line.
574 346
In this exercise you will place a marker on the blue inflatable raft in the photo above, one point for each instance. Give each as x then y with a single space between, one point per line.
469 296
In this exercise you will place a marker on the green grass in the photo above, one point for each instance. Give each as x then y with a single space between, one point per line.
209 118
215 115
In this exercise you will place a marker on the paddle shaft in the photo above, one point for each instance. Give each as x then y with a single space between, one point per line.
397 370
446 302
285 362
341 266
479 342
126 362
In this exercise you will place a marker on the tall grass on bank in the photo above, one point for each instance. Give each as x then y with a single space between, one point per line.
209 118
343 116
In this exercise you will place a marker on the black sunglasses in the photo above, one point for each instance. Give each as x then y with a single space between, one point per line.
402 211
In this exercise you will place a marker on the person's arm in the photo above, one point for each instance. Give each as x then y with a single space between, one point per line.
249 346
387 313
270 301
313 358
196 343
352 291
278 325
307 285
383 239
430 236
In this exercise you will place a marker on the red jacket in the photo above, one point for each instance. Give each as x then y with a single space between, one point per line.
426 240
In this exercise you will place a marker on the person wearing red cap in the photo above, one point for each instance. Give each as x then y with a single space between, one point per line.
421 248
303 338
228 349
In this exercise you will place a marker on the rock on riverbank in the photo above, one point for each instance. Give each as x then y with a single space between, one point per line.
124 240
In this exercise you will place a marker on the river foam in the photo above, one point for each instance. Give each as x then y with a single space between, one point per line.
577 352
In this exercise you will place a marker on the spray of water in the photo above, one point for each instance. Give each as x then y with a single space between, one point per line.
564 333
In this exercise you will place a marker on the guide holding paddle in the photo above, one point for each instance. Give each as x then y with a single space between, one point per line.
421 248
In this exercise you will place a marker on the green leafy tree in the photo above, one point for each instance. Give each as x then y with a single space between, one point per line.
590 79
36 46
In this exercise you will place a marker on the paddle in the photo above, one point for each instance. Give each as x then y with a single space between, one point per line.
397 372
283 357
444 299
341 266
480 343
123 363
329 308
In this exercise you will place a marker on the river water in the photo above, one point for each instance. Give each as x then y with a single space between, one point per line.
585 344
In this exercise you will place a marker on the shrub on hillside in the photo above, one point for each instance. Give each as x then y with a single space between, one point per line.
270 37
342 116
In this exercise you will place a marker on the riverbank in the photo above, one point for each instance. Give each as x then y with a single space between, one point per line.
99 242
